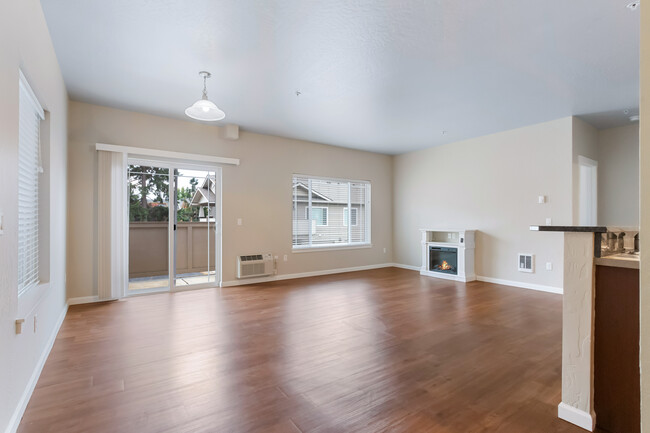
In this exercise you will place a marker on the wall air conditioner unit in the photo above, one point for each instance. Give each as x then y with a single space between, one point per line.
255 265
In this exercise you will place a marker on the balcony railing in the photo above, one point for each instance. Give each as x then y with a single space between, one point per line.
149 248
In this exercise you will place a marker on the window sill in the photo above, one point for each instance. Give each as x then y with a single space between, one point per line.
28 301
329 247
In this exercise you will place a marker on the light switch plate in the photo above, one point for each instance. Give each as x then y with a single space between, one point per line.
549 266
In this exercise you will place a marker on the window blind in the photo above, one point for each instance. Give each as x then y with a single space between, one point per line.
320 212
29 167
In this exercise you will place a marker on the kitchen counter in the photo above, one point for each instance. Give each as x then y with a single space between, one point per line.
600 336
578 229
630 261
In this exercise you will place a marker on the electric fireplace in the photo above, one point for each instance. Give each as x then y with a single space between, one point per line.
448 254
443 259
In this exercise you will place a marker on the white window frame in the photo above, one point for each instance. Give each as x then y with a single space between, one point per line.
27 286
355 210
367 243
325 215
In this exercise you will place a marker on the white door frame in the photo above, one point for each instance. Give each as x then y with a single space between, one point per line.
588 194
171 166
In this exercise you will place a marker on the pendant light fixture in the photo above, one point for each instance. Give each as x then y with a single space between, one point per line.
204 109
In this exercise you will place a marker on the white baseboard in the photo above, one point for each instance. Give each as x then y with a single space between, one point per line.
576 416
460 278
83 300
409 267
17 416
520 284
247 281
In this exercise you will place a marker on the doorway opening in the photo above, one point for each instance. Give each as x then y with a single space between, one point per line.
588 210
174 211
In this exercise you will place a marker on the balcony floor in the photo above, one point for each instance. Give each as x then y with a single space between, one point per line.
162 281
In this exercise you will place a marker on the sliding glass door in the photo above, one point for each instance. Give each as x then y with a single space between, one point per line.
196 218
174 215
149 235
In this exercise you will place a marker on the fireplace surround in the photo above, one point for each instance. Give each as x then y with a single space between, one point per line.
448 254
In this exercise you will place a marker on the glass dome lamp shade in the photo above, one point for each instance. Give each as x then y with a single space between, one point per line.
204 109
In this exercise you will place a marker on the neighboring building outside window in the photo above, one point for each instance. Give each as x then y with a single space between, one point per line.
319 214
322 216
353 216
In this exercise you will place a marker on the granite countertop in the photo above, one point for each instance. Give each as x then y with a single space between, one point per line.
584 229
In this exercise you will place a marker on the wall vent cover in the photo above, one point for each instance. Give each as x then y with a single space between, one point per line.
526 263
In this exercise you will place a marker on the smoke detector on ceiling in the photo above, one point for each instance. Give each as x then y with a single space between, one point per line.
634 5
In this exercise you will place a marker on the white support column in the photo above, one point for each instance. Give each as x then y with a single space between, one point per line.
577 331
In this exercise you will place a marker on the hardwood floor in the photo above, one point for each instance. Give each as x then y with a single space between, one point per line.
381 350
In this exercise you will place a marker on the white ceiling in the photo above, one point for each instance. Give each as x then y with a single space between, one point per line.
385 76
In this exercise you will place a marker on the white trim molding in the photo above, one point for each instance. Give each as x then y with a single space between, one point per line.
409 267
520 284
329 247
14 422
165 154
247 281
22 82
576 416
83 300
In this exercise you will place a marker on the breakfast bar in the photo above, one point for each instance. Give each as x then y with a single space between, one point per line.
600 329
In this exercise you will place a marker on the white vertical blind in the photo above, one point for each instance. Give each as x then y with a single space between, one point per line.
321 215
112 225
29 168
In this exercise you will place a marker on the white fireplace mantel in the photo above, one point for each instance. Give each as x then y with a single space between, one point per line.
463 241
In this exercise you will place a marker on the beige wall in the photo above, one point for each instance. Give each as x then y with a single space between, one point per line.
490 184
258 191
26 45
618 176
644 145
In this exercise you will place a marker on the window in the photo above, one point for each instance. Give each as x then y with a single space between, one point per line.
330 212
319 214
29 167
353 216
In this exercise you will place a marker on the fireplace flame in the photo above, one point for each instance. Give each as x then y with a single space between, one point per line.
445 266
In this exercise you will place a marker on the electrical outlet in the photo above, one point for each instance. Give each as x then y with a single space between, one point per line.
541 199
239 221
549 221
19 326
286 258
549 266
384 250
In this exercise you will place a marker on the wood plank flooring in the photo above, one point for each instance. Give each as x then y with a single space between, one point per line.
380 350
